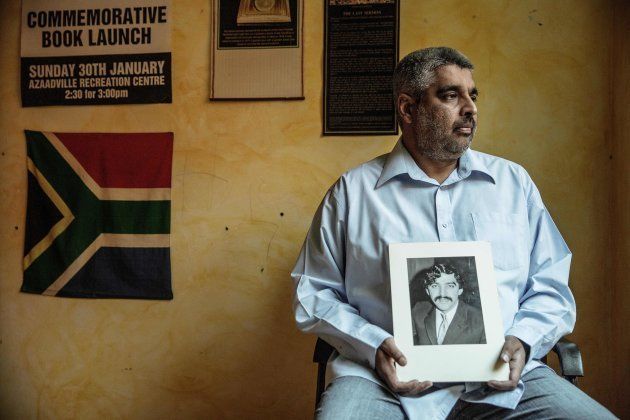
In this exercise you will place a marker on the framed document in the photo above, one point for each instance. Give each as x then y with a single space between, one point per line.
257 50
361 42
446 313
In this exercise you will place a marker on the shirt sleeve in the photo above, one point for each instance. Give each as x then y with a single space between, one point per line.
546 307
320 300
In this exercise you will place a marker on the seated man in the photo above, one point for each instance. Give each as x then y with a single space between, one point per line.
430 188
444 319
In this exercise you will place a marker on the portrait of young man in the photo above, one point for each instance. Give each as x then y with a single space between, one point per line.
433 187
445 318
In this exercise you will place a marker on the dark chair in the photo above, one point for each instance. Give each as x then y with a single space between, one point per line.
570 360
567 351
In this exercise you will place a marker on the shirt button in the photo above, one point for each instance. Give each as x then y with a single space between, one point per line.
444 225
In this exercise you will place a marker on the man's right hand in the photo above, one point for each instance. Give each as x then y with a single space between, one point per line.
387 356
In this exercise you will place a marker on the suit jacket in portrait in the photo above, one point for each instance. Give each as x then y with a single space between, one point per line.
465 328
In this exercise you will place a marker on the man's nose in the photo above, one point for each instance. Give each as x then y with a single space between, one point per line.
442 290
469 108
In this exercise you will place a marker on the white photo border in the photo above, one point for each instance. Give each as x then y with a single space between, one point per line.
453 362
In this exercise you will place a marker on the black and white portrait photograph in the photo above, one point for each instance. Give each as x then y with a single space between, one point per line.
445 311
444 299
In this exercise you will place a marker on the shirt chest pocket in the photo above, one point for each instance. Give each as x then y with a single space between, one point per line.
509 235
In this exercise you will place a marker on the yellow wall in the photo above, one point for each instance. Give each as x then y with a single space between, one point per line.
620 223
226 346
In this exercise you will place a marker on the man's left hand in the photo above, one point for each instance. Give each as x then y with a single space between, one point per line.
513 353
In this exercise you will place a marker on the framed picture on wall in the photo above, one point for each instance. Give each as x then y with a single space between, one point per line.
361 43
257 50
446 313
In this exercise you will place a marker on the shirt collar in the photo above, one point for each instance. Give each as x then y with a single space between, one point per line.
450 314
399 161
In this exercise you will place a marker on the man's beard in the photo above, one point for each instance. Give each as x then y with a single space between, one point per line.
436 138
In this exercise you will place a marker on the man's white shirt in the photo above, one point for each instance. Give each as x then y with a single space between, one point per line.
341 278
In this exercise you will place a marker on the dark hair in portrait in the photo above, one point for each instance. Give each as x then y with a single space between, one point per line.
465 267
444 301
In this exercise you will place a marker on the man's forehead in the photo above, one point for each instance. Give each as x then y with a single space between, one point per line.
453 75
446 278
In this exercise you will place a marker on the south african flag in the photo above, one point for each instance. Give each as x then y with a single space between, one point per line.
98 215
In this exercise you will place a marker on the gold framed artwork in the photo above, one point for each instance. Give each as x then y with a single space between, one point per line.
263 11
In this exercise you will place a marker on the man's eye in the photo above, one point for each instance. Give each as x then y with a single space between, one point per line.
450 96
474 98
451 286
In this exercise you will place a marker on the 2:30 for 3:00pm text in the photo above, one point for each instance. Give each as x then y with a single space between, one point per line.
73 94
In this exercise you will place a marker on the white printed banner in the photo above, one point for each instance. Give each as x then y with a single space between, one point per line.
93 52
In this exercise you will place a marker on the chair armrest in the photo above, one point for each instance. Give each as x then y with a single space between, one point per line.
322 352
570 358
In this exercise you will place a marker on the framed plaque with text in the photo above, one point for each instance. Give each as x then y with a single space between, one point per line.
257 50
361 52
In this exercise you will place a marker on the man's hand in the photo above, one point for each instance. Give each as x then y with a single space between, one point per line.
513 353
387 356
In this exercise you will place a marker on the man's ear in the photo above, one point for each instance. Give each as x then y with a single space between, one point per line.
405 106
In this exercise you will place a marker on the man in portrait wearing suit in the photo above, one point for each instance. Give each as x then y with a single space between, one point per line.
445 319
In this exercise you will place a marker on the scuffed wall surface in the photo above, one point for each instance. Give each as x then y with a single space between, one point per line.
247 177
620 88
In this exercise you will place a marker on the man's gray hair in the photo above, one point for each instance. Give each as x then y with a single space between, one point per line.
415 73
